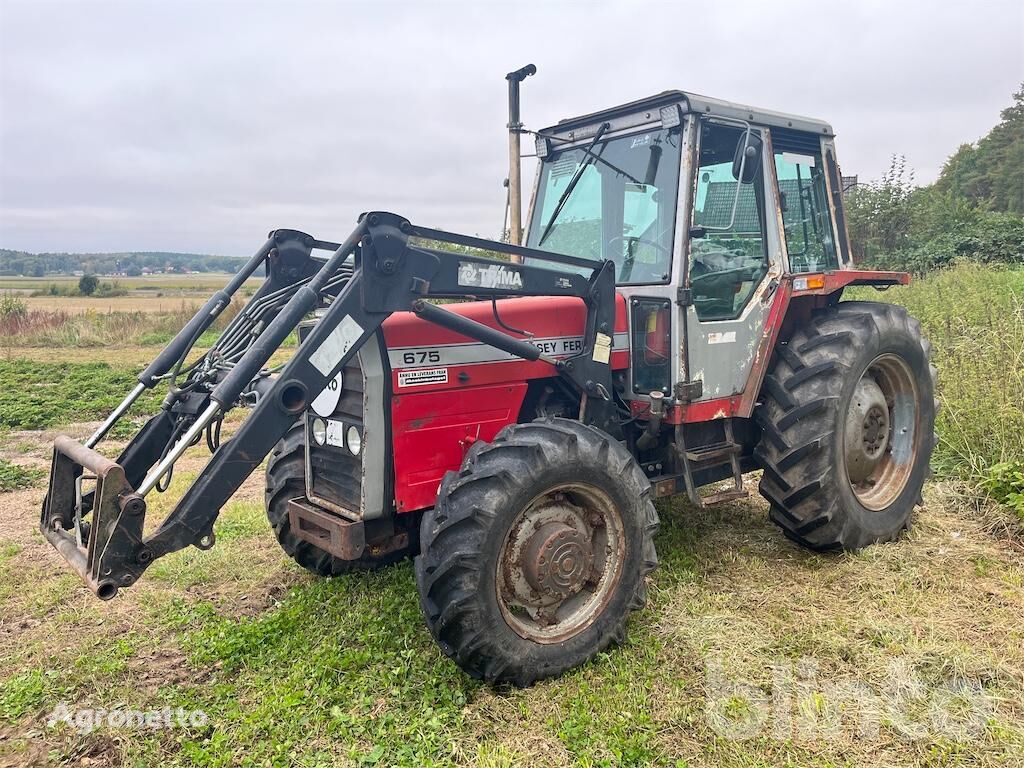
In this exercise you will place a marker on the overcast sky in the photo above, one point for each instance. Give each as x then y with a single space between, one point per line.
200 126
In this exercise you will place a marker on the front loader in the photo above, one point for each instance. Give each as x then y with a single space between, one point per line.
507 414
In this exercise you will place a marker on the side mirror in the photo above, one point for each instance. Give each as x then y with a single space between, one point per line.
747 159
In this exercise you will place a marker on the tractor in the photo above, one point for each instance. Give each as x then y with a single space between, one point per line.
669 319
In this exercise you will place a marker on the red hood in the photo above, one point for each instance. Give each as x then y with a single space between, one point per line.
544 317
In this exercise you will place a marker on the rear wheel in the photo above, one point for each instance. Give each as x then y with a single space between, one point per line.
848 418
286 480
536 551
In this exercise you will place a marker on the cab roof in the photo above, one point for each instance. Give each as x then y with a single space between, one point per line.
693 103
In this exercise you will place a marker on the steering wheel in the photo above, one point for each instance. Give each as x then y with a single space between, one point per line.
653 243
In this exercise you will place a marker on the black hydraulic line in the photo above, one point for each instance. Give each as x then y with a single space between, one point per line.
480 332
268 342
182 343
502 323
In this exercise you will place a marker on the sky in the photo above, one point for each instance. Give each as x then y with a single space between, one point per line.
200 126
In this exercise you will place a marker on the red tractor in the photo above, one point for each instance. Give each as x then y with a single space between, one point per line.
508 413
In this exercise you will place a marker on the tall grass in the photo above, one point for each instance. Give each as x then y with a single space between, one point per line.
23 327
974 317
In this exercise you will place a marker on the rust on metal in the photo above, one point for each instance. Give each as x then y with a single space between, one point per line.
345 539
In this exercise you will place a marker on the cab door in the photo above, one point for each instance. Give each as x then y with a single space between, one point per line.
734 256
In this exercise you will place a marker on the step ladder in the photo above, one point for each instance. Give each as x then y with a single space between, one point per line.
726 452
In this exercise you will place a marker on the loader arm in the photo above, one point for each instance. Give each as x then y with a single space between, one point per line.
386 265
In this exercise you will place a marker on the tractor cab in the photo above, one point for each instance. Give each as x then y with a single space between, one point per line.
703 206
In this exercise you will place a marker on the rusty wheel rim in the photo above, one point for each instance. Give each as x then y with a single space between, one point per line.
560 563
881 430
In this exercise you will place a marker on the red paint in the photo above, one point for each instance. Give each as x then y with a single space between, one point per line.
431 428
834 281
434 424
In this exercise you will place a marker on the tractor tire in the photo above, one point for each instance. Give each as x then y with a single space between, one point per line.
536 551
847 420
286 480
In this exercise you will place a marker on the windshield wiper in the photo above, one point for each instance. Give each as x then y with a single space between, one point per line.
590 157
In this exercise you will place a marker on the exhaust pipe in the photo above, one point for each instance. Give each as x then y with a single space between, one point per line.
515 181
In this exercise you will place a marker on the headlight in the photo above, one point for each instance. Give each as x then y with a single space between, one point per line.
353 440
320 431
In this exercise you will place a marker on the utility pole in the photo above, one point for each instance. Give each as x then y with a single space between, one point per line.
515 181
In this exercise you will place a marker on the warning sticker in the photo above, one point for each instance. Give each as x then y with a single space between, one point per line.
421 376
602 348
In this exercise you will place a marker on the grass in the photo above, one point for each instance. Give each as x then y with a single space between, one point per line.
40 395
295 670
13 477
209 281
313 672
974 318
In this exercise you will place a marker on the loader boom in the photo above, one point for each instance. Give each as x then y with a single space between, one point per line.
386 265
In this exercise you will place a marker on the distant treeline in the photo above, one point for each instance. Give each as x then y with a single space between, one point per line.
974 212
128 263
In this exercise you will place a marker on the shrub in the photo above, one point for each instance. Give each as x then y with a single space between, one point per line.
1005 483
12 308
88 284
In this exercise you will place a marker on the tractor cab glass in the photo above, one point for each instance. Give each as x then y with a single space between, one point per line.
728 241
612 199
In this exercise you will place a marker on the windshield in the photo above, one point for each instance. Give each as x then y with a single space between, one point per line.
613 200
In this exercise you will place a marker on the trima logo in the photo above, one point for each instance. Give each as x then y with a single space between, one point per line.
473 275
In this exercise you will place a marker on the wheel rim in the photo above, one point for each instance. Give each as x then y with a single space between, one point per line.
880 439
560 563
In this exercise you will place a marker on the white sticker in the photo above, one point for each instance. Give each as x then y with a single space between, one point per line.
336 345
724 337
327 401
421 376
473 275
336 434
602 348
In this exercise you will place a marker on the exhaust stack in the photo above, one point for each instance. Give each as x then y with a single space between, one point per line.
515 182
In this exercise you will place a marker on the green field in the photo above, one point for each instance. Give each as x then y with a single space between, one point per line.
751 652
202 282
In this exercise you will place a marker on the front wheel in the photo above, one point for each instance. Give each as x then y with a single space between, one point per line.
848 418
536 551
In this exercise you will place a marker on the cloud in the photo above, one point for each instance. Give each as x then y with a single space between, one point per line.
200 126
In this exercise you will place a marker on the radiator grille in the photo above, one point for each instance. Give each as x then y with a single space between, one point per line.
335 475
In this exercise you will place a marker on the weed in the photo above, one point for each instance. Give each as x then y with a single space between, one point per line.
974 318
40 395
1005 482
15 476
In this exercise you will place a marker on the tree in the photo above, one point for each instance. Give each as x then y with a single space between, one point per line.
87 285
991 173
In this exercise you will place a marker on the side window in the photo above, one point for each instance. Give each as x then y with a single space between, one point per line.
810 238
728 250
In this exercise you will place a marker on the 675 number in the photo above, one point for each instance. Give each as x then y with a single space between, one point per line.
421 356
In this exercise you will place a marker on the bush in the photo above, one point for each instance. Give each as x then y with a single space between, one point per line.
1005 483
12 308
88 284
985 238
